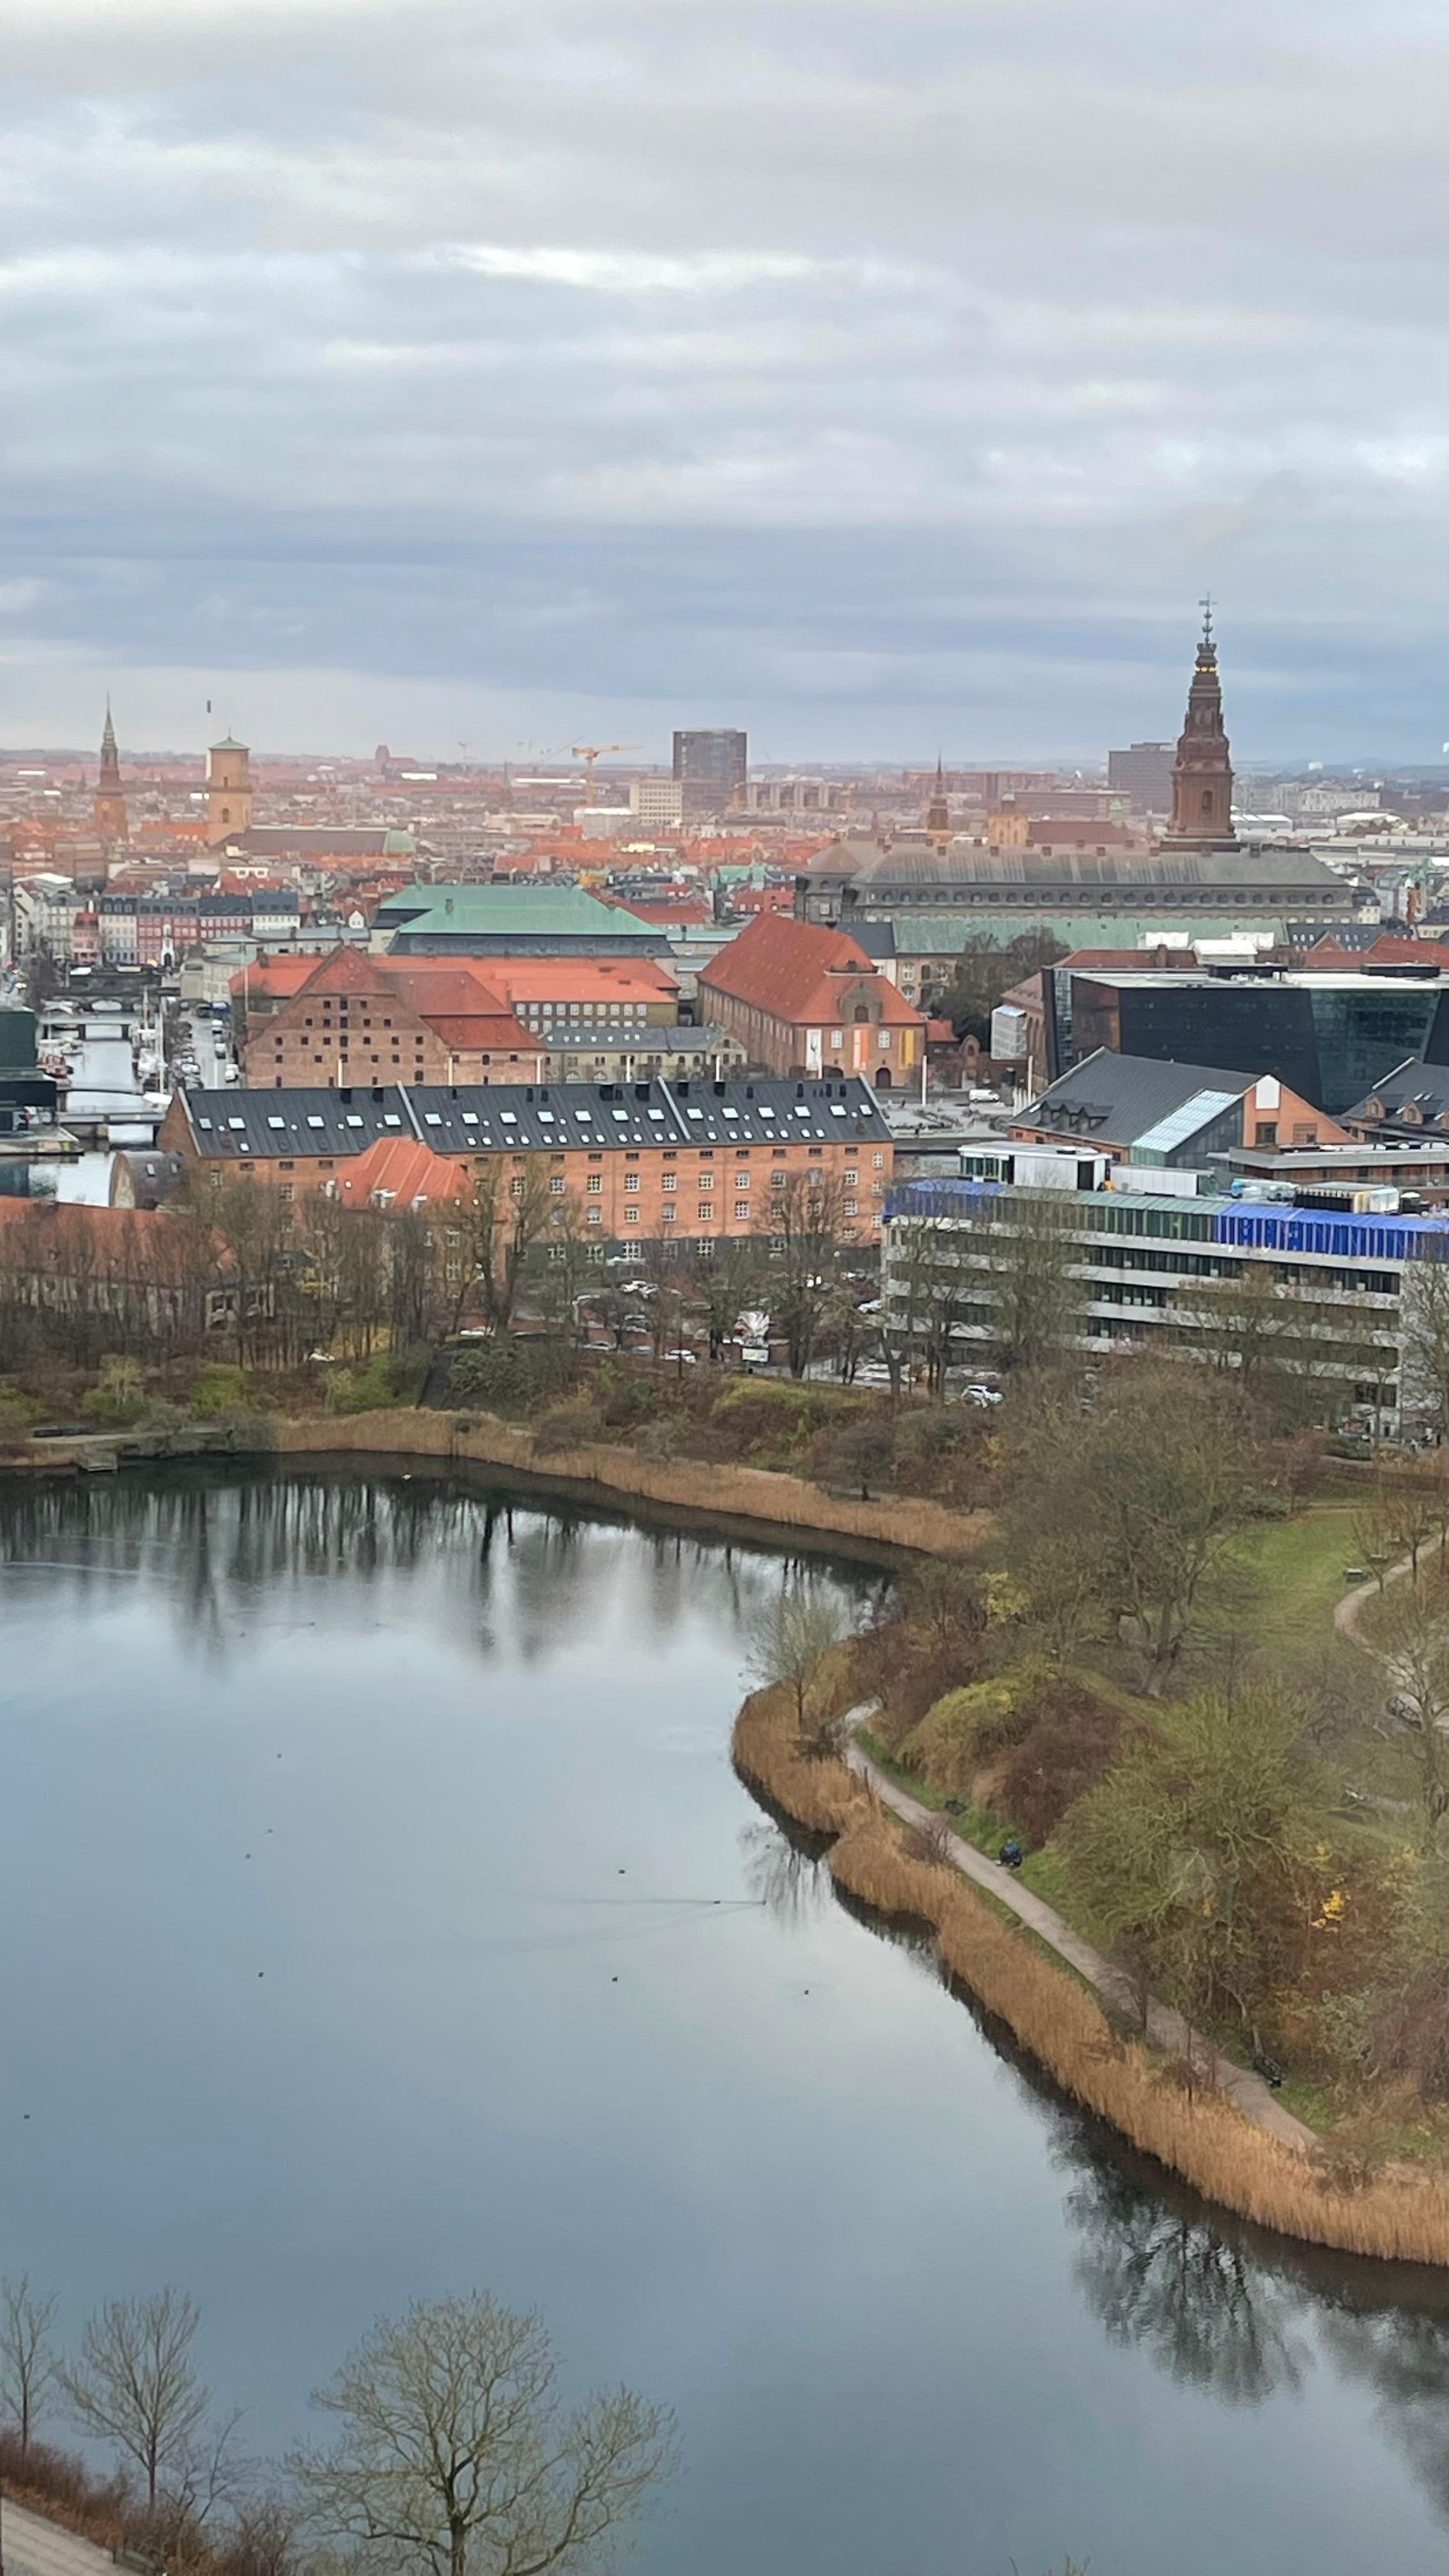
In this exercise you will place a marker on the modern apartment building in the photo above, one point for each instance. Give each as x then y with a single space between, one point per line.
712 768
1160 1271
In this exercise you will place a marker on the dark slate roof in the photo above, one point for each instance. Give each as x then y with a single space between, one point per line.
1411 1085
238 1125
1118 1098
877 938
465 1117
762 1111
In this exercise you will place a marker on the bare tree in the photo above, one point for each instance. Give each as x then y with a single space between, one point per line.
136 2383
508 1212
787 1646
29 2368
454 2449
1416 1652
807 1229
1426 1338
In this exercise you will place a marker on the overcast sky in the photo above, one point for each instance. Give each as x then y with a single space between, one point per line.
881 374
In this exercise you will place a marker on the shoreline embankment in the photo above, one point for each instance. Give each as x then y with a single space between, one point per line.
685 1484
1400 2215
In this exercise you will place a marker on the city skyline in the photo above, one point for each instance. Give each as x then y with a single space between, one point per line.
422 372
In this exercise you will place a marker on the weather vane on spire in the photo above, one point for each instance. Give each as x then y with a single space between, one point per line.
1206 605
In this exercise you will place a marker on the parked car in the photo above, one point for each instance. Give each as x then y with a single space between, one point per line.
872 1373
982 1394
683 1358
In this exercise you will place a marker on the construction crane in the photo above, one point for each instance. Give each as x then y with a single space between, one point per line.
589 752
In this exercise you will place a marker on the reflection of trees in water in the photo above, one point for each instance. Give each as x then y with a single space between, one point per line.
1230 2308
1162 2279
1220 2305
210 1539
783 1872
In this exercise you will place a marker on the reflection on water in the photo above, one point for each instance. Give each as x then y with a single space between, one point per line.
550 2003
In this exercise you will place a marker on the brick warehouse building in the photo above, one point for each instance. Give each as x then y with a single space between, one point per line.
360 1019
636 1159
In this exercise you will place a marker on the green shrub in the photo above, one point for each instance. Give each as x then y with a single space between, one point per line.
220 1388
962 1730
505 1375
119 1398
389 1378
567 1426
782 1416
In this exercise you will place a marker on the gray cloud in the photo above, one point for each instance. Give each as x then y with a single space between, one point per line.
884 377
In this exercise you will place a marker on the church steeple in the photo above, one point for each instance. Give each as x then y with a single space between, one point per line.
938 812
109 808
1202 774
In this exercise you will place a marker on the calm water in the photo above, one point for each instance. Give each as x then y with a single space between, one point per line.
330 1815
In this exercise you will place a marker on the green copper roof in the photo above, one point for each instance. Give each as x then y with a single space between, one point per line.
530 912
228 742
944 934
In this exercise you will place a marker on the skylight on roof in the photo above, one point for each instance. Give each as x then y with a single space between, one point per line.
801 1110
390 1118
350 1121
238 1125
431 1118
509 1117
276 1122
316 1122
469 1117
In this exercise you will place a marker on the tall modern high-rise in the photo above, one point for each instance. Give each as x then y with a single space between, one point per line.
712 767
1143 774
1202 774
109 808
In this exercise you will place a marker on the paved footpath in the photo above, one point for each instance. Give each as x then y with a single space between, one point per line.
35 2546
1166 2028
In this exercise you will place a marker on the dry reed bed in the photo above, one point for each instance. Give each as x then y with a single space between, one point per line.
690 1484
1402 2215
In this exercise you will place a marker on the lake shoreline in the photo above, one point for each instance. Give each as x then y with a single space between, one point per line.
750 1495
1205 2141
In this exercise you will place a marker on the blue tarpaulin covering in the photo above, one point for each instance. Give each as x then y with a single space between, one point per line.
1346 1238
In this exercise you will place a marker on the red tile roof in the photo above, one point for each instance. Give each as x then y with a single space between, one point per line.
595 979
799 971
398 1172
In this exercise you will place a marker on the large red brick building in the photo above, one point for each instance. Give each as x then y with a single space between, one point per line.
700 1161
804 999
362 1019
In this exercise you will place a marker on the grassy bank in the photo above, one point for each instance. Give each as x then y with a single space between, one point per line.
735 1493
1403 2215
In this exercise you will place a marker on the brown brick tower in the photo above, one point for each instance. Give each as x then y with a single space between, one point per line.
1202 775
109 808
